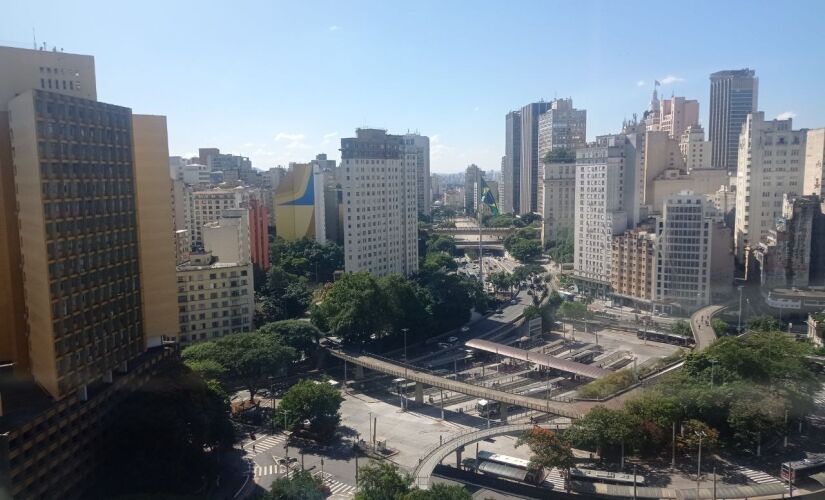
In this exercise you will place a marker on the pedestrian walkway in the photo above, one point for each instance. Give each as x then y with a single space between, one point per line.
555 479
262 445
338 490
266 470
757 476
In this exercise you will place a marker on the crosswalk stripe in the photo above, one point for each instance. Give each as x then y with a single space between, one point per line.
757 476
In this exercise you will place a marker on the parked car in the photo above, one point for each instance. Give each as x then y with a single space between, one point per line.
444 345
465 329
453 340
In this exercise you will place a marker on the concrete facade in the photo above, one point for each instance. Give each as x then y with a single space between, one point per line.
511 167
695 149
771 165
420 146
529 176
814 162
561 127
378 184
632 271
701 181
557 200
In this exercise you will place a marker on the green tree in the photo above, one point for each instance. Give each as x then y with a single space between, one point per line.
531 312
559 155
757 414
301 485
561 250
694 430
435 261
307 258
286 295
501 280
525 250
548 449
439 491
300 335
530 218
247 358
681 327
720 326
405 304
601 428
382 481
763 323
441 243
353 309
521 273
317 402
573 311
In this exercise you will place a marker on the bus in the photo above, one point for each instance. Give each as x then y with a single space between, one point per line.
801 469
487 408
664 337
513 468
603 476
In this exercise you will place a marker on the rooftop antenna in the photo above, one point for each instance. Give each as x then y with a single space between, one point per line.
34 38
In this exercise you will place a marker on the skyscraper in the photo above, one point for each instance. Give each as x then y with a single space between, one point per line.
84 196
378 182
529 176
420 145
511 167
607 203
771 164
471 176
733 94
561 127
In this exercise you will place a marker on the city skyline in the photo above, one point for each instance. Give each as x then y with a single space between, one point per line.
284 86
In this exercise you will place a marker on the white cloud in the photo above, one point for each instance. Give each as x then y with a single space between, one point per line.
329 138
334 28
786 115
670 79
293 141
640 83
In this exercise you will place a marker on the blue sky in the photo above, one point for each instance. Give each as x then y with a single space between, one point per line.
282 81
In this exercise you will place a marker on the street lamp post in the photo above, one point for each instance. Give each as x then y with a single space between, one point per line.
739 322
405 330
699 462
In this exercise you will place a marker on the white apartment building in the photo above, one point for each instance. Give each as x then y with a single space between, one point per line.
771 163
607 203
695 149
557 200
379 186
420 146
227 238
208 205
683 250
214 298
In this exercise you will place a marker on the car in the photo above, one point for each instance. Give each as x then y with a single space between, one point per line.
444 345
452 340
514 302
465 328
499 311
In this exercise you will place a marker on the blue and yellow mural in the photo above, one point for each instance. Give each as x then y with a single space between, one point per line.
295 204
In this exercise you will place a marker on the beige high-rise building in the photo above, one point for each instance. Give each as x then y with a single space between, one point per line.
661 153
557 200
632 270
695 149
208 205
155 228
677 114
85 231
227 238
815 163
771 164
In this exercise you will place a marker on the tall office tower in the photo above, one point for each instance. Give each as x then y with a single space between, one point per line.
300 203
733 95
632 273
204 154
683 251
607 203
77 181
561 127
677 114
695 149
557 199
420 146
378 182
471 176
511 167
529 177
435 186
155 228
815 162
771 164
206 206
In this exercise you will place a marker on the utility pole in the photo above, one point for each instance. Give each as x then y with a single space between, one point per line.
405 330
634 481
714 483
699 463
673 457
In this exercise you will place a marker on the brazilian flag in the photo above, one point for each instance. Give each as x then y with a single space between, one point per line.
487 196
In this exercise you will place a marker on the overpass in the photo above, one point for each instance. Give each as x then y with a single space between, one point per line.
434 456
421 377
500 232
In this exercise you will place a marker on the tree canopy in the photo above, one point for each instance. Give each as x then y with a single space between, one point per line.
523 244
548 449
300 335
244 358
301 485
384 481
317 402
317 262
